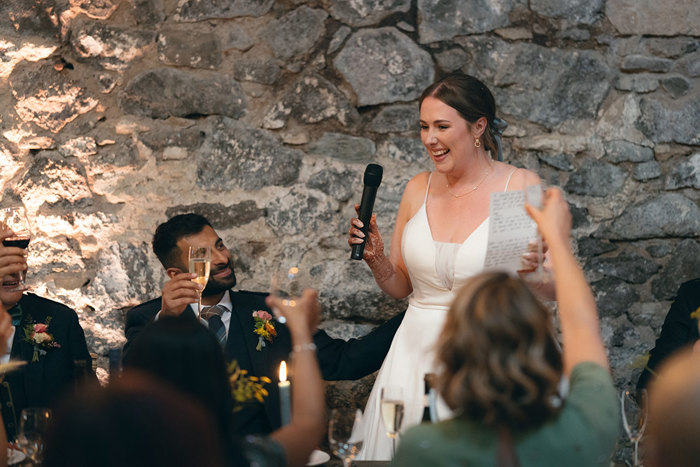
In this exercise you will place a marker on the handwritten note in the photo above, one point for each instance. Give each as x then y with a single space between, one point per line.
510 231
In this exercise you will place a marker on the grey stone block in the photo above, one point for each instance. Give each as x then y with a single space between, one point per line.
440 21
167 92
235 155
358 13
398 68
667 215
352 149
311 99
596 178
664 123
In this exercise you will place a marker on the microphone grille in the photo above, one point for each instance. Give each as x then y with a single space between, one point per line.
373 174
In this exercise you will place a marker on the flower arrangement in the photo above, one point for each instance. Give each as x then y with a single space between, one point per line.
37 334
246 389
263 328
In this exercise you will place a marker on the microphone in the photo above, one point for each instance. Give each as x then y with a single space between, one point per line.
372 179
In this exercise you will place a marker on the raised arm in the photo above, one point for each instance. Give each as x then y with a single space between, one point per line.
390 272
306 428
577 308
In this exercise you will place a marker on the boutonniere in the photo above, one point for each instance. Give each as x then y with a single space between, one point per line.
263 328
246 389
696 314
37 334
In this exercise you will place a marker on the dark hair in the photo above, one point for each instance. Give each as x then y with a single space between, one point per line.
471 98
501 364
134 422
186 354
168 233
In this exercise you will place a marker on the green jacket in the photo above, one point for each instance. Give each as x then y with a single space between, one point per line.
583 434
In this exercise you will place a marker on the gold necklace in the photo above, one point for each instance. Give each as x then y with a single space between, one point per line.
487 171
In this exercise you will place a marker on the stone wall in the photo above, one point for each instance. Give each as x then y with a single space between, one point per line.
262 115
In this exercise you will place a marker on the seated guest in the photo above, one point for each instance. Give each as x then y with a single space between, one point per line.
134 422
680 329
47 335
674 413
338 359
189 357
501 369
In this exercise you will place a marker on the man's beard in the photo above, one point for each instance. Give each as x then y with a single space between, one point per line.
215 286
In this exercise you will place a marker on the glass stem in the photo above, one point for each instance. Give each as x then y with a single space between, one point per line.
199 307
636 462
347 462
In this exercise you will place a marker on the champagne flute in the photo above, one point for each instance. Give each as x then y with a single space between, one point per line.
15 219
634 417
33 425
288 282
345 433
534 196
392 407
200 264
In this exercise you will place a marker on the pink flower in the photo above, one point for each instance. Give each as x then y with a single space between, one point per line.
261 314
40 327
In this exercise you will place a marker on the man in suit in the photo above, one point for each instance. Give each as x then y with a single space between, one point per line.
338 359
46 335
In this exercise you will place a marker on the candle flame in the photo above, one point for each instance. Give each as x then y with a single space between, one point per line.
283 371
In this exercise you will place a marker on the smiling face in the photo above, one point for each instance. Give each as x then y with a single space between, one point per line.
9 298
222 276
447 136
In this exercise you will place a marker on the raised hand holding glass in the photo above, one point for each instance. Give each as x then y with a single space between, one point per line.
200 264
15 219
288 282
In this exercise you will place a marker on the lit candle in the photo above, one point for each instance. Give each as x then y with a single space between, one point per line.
285 395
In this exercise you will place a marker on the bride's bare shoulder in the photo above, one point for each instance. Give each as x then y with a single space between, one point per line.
517 177
417 185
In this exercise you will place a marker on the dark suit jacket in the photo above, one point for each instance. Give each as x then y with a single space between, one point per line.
679 329
41 383
338 359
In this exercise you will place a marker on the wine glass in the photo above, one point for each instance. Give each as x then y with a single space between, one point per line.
392 406
200 264
15 219
288 282
534 196
634 417
345 433
33 425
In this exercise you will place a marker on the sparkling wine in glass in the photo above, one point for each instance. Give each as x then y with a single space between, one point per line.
534 196
33 425
345 433
15 219
392 408
200 264
634 417
288 282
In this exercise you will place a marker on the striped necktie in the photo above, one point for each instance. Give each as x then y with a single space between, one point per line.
213 316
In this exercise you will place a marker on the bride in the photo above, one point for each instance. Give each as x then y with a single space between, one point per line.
440 237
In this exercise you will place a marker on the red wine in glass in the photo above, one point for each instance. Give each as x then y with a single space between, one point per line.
15 220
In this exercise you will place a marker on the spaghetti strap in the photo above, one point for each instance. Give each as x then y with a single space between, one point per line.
508 181
425 199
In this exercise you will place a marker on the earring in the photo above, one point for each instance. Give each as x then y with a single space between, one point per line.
477 143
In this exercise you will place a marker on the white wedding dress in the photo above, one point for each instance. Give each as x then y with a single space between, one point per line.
437 270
